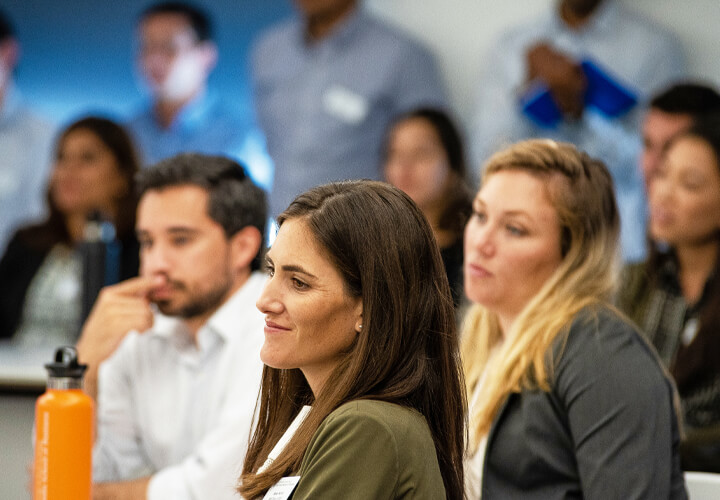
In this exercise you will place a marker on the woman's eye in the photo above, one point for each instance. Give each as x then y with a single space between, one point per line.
299 285
516 231
480 216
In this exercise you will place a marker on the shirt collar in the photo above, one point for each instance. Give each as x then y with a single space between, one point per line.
195 113
229 316
225 320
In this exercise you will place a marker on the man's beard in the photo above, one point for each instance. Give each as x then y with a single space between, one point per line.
196 305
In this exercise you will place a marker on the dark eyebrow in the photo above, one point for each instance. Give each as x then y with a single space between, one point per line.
182 229
298 269
292 268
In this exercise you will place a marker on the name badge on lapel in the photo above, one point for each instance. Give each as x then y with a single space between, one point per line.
345 105
283 489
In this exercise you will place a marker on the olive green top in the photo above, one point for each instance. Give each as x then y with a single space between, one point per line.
369 449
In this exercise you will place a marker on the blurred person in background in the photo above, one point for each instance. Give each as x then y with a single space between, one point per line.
326 86
425 158
176 55
546 61
41 271
674 296
174 355
670 112
25 145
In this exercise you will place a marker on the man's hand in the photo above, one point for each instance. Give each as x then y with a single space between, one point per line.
561 74
118 310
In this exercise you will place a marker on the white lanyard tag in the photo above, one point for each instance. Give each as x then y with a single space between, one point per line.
283 489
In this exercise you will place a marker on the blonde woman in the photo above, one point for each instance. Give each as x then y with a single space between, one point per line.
566 399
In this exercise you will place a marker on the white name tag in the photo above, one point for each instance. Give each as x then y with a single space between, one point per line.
282 489
344 104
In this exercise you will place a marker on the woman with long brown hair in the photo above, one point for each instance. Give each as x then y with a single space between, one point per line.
424 156
362 391
41 270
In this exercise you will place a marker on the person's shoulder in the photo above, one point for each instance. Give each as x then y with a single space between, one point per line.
140 119
379 417
600 321
278 34
634 280
602 339
634 25
380 32
524 32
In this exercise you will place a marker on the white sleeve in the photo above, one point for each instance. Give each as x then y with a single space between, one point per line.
118 453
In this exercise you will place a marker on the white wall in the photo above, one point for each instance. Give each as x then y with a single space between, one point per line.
460 32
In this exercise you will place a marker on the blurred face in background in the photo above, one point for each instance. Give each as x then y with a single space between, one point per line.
416 162
86 175
685 194
512 242
173 62
659 128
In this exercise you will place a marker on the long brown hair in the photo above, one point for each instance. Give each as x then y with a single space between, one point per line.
54 229
406 352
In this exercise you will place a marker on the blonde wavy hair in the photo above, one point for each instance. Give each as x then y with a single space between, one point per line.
580 189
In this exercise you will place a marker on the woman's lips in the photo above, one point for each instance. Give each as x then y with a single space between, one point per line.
272 327
478 271
662 216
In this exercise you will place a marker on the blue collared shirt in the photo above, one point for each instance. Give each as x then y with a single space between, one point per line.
324 105
638 53
204 125
25 151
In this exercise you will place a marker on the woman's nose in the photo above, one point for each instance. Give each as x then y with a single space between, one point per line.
269 301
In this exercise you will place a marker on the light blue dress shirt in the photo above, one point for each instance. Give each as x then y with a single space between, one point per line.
25 151
325 105
205 125
638 53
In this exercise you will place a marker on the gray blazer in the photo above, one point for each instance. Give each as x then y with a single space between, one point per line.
606 430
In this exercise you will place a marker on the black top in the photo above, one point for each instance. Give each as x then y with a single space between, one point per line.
21 262
452 258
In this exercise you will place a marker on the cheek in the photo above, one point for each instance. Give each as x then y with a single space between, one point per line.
531 269
699 211
392 172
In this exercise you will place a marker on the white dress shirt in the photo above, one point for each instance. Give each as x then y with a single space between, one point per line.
180 412
639 54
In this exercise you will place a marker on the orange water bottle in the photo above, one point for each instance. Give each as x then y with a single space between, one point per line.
63 433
